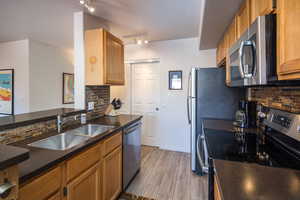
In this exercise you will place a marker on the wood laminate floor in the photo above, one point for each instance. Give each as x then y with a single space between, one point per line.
166 175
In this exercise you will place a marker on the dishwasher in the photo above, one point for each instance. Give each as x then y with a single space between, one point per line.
131 152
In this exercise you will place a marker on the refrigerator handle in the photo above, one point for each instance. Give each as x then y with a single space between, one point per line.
188 99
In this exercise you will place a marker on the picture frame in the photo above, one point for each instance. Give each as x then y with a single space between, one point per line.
7 91
175 80
68 88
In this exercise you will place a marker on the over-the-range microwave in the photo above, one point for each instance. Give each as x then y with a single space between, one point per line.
252 59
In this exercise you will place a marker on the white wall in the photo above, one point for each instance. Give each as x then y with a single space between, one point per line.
79 60
47 64
38 73
182 54
15 55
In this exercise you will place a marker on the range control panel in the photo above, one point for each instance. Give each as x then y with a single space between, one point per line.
284 122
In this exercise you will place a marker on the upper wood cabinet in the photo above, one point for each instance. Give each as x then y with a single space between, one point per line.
260 8
231 34
243 18
221 51
288 41
104 61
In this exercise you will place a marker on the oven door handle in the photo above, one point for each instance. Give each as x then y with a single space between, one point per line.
202 163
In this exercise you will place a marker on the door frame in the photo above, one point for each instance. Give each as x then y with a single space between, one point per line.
130 64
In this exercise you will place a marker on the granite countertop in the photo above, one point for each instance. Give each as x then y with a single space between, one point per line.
242 181
41 160
10 155
15 121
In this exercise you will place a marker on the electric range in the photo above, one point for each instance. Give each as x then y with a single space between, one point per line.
277 145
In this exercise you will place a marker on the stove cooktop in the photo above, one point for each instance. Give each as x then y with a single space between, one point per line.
251 147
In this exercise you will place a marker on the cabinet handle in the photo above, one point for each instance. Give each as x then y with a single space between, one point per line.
5 189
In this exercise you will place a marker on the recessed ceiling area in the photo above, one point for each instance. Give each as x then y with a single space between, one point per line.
216 16
51 21
154 20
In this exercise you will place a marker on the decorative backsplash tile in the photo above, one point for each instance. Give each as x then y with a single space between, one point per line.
21 133
283 98
100 95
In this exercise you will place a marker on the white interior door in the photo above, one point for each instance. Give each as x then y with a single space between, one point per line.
146 99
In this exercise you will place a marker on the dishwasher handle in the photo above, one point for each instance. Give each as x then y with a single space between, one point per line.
132 128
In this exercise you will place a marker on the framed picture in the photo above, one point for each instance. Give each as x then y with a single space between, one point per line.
68 88
175 80
6 91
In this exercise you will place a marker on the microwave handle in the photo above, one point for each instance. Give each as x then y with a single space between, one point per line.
241 55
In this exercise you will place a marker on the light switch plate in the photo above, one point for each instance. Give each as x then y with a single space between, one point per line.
91 105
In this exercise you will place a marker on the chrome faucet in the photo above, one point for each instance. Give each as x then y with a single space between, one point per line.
59 123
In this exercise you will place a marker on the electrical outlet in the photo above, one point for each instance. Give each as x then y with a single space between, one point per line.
91 105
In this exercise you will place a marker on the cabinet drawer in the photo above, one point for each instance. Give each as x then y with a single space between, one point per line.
12 175
43 186
83 161
112 143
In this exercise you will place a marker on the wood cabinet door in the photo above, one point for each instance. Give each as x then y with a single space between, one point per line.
86 186
243 18
114 72
42 187
231 35
288 33
94 57
56 196
260 8
221 51
112 174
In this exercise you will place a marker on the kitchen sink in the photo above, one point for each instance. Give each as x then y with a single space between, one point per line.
62 141
91 130
71 138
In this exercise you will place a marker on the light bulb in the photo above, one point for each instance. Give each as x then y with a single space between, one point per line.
139 42
91 9
146 41
81 2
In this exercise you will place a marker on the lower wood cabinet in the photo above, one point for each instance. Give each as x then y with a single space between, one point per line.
43 187
56 196
86 186
112 174
94 174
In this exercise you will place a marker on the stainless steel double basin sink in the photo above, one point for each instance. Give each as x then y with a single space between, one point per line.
71 138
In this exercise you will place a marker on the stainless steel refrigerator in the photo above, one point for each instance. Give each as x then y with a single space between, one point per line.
208 97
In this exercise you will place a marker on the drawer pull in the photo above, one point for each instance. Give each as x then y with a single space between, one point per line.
5 189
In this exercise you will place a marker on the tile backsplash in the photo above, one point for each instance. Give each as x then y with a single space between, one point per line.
284 98
100 95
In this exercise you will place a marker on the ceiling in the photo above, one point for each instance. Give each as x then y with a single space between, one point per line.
216 16
51 21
